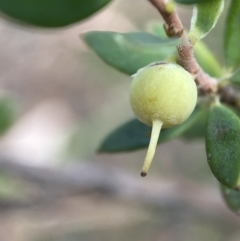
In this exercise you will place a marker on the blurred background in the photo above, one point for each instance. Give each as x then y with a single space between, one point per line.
53 184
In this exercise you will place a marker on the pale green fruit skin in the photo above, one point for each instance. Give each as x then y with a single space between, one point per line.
165 92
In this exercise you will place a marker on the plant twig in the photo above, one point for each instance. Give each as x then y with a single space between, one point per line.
174 28
231 95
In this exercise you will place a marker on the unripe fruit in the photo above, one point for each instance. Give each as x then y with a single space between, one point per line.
162 95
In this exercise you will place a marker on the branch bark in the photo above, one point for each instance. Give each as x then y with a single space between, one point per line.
174 28
231 95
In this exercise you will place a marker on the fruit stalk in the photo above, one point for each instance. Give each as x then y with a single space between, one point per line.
156 128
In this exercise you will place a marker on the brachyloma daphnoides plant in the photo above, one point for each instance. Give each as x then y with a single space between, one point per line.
177 84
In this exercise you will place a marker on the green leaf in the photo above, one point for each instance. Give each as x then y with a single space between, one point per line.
156 28
8 113
231 198
223 145
135 135
232 35
192 1
235 78
50 13
204 19
128 52
197 130
206 59
130 136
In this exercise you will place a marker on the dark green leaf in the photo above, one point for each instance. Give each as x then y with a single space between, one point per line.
231 197
235 78
7 113
192 1
232 35
197 130
130 136
51 13
135 135
205 17
129 52
223 145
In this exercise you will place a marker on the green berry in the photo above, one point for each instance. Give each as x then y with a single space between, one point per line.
162 95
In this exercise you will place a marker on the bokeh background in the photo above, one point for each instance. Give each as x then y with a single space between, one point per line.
53 184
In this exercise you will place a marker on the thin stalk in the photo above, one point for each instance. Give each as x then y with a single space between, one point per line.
156 128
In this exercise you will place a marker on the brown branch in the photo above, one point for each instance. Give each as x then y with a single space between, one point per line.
230 95
174 28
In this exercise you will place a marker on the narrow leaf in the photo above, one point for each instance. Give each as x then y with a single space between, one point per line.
235 78
231 198
129 52
207 60
136 135
232 35
130 136
204 19
50 13
223 145
156 28
197 130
